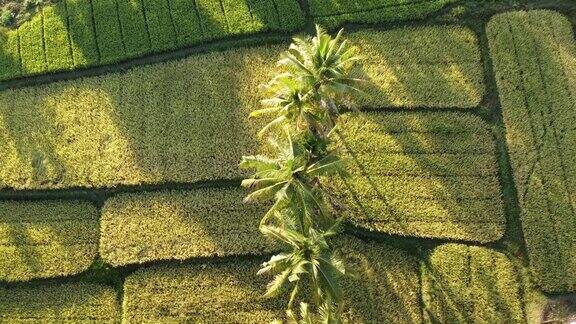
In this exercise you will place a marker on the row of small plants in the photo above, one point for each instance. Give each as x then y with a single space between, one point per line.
315 80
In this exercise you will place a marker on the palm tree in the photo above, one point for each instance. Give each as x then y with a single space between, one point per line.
316 80
292 181
310 257
318 75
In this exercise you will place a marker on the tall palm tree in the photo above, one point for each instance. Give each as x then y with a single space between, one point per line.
316 79
291 181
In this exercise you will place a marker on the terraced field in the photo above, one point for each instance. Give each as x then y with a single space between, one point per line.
122 124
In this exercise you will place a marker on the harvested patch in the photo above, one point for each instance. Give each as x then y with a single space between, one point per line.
534 57
76 33
46 239
332 13
179 225
437 66
425 174
466 284
385 290
183 121
68 302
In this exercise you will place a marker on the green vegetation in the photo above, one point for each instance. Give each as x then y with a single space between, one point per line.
67 303
77 33
386 289
123 188
422 174
437 66
334 13
533 54
180 225
46 239
183 121
466 284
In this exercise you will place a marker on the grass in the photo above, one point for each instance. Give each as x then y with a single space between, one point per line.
179 225
73 34
68 302
533 53
467 284
46 239
422 174
229 292
183 121
334 13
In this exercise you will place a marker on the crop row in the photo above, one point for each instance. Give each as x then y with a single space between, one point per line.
534 54
46 239
77 33
425 174
333 13
459 284
186 121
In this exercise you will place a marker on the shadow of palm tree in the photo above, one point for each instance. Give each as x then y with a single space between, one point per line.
469 285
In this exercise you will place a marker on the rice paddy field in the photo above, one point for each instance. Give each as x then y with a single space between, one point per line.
122 123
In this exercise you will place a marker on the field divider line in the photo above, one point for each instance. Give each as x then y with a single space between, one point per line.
45 67
174 30
98 51
225 16
200 24
120 26
70 47
277 13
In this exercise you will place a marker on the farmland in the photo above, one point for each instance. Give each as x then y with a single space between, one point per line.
122 125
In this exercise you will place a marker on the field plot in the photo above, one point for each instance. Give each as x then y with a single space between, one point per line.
464 284
333 13
183 121
422 174
180 225
77 33
229 292
59 303
46 239
534 56
436 66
